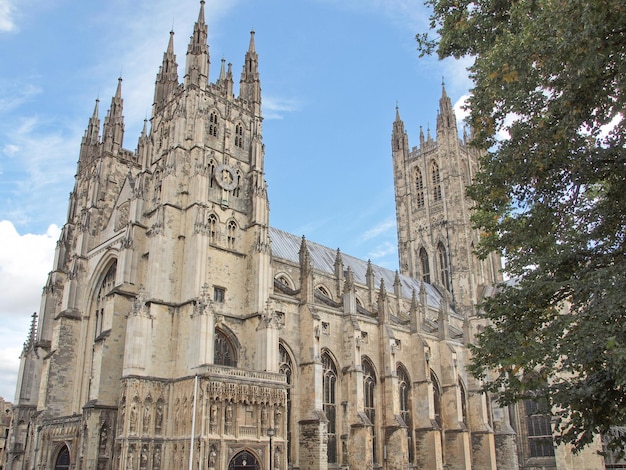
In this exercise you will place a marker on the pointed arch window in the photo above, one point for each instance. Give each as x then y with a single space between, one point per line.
224 352
404 390
425 265
237 190
436 399
212 223
539 430
63 459
213 125
330 404
436 180
444 268
232 232
369 389
107 284
239 135
286 367
211 174
463 396
419 189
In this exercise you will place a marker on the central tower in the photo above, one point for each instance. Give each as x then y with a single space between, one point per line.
436 240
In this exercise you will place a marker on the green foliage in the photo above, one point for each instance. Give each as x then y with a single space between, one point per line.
549 76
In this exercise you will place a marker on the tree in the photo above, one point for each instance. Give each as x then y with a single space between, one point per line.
547 110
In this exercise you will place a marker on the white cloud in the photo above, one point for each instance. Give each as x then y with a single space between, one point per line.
15 93
380 229
275 108
25 261
383 250
461 113
7 22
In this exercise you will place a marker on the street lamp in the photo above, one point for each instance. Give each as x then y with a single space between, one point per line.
271 432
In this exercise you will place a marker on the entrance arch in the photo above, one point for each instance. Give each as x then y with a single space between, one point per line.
244 460
63 459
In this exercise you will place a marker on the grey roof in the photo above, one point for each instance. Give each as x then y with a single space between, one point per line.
287 246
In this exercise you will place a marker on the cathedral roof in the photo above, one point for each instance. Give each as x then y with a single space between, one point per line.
287 246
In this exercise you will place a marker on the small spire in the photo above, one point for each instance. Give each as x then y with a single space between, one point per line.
251 47
382 291
118 91
397 112
201 12
223 70
197 66
250 83
32 335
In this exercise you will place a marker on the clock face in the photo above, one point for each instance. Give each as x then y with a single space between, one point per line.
226 177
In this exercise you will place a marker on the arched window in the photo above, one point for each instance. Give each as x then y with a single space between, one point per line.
436 180
539 430
463 402
239 135
107 284
419 189
244 460
369 388
237 190
404 390
232 231
330 404
224 353
322 290
213 124
212 222
286 367
63 459
444 269
436 399
211 173
425 265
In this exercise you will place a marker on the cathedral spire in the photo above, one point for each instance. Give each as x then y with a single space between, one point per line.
32 335
399 139
446 119
197 66
250 83
167 78
91 137
113 130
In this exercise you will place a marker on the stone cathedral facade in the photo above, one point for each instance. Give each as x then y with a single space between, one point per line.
178 329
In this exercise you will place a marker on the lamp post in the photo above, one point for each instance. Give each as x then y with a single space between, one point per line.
271 432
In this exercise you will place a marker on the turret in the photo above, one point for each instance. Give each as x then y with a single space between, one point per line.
197 66
114 123
250 83
91 138
225 81
446 118
167 78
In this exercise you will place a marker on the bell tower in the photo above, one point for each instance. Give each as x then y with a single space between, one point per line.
435 236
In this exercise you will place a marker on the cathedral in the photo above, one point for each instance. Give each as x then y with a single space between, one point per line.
179 329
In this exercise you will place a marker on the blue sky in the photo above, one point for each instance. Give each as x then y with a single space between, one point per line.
331 74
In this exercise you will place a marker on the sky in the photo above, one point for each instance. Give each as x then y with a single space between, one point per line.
332 73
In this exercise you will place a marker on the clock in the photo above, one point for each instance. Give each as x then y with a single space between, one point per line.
226 177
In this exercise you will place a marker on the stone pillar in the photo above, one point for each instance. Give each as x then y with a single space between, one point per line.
396 451
505 439
428 448
360 447
313 443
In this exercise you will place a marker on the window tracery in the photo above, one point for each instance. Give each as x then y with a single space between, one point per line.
330 404
436 181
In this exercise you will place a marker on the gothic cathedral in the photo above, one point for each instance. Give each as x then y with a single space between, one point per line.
178 329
